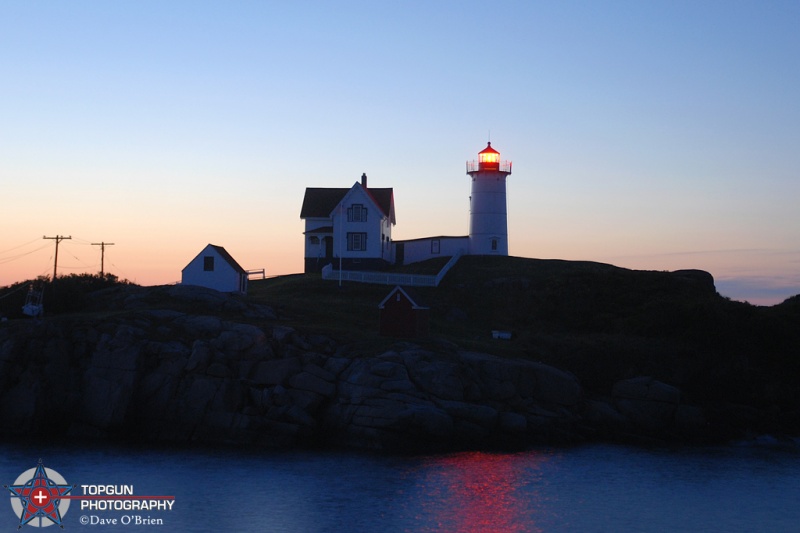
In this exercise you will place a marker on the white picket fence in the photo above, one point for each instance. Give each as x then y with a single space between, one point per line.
390 278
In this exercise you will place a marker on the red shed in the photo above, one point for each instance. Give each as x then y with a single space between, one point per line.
401 315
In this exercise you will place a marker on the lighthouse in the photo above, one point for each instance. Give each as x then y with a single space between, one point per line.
488 219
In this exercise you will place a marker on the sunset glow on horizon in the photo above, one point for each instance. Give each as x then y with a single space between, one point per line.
656 136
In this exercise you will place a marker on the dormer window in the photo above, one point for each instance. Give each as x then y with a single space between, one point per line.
357 213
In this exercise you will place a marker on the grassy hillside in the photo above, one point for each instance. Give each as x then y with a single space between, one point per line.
601 322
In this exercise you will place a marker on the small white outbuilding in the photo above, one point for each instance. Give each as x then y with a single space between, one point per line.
216 269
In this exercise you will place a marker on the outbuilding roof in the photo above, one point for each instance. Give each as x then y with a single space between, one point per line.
410 295
228 258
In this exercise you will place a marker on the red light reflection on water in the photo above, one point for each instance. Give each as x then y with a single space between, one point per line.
480 492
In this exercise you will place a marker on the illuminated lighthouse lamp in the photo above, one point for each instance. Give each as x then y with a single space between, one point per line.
489 159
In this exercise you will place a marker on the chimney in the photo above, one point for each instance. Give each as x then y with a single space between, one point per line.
364 180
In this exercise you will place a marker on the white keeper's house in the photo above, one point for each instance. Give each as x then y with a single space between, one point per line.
353 224
352 228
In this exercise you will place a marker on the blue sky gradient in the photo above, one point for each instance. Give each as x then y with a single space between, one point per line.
651 135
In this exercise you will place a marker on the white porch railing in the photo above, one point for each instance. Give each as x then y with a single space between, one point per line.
391 278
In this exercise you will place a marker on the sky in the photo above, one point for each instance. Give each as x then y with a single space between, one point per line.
657 135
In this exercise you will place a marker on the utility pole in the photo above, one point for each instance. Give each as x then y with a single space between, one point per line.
58 239
102 246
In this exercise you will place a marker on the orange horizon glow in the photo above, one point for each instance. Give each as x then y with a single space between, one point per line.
758 277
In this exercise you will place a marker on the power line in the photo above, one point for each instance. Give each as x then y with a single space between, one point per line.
20 246
15 257
102 246
58 239
119 270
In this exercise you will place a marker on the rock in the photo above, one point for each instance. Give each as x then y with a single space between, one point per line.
513 422
200 357
647 402
481 415
426 420
691 421
437 378
556 386
18 409
107 394
189 375
200 326
337 365
281 333
307 381
603 417
275 371
647 388
218 370
120 351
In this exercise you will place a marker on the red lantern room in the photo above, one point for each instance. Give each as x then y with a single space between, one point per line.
489 158
488 161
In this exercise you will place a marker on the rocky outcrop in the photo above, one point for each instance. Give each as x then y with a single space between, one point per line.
185 375
414 397
173 377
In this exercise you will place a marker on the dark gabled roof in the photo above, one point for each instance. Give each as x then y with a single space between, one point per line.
319 202
228 258
384 198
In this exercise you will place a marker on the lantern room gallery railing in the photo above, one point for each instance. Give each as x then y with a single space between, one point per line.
502 166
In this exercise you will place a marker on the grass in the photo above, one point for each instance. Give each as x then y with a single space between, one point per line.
596 320
478 295
350 312
305 301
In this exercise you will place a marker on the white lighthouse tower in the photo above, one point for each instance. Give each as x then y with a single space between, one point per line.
488 218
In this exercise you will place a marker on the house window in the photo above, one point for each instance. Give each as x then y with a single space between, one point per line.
314 239
494 245
435 246
357 213
356 242
208 263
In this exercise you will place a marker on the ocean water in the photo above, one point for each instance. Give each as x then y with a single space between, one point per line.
584 489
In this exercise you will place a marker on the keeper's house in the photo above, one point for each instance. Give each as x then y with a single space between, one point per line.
348 226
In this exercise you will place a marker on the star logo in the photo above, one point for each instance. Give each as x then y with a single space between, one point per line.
37 494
